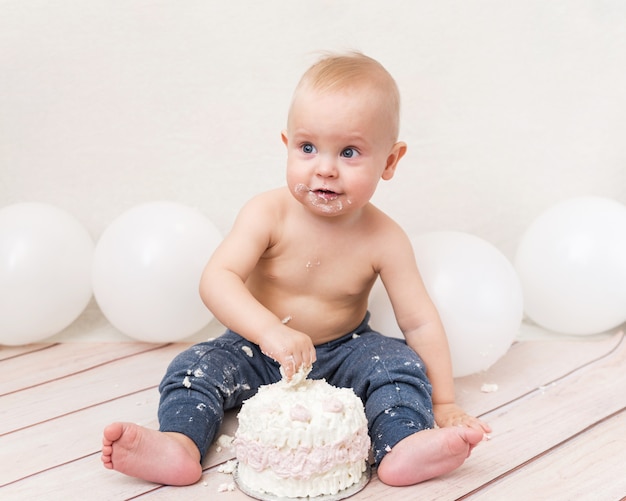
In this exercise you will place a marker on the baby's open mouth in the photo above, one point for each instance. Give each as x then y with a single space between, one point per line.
326 194
326 200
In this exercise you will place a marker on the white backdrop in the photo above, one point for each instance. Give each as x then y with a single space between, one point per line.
508 107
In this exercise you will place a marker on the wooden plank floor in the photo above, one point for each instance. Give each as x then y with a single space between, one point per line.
559 420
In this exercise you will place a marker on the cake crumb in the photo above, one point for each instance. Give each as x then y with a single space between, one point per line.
226 487
186 381
225 441
228 467
489 387
248 351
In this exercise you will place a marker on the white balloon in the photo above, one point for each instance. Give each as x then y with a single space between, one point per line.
382 318
572 265
476 291
45 271
147 269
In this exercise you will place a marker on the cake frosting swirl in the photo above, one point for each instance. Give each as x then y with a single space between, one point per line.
301 438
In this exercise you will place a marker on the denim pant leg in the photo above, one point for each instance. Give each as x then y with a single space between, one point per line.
207 379
388 376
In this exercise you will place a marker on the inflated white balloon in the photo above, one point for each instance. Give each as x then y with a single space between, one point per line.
45 271
572 265
147 269
476 291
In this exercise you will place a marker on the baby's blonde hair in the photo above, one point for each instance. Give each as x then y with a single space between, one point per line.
341 72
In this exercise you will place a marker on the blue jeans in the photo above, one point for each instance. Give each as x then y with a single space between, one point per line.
211 377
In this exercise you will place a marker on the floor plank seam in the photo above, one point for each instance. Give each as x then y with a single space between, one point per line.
146 493
537 457
60 416
87 369
51 468
30 352
560 379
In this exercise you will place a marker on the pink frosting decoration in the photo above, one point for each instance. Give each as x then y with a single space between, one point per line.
302 462
332 405
300 413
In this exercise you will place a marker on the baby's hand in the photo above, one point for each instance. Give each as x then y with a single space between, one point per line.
292 349
453 415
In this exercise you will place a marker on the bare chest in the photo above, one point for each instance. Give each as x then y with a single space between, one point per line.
337 266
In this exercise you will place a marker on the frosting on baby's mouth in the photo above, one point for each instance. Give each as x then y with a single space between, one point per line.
326 200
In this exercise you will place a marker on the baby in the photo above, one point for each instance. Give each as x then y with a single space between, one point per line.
291 284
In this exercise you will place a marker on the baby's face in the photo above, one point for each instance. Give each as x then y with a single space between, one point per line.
338 145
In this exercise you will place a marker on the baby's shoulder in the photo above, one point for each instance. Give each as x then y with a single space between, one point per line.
268 202
378 223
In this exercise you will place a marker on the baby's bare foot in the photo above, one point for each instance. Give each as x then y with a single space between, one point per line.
428 454
164 458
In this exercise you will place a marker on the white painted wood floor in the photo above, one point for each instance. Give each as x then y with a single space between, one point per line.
559 420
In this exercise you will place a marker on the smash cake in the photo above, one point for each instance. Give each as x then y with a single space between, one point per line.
302 438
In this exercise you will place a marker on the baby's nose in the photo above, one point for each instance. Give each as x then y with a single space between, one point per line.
326 167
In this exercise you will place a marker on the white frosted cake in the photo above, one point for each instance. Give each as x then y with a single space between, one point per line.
304 438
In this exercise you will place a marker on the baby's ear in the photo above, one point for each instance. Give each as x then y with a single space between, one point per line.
397 152
283 136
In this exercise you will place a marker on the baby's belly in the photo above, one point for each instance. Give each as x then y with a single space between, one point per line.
321 322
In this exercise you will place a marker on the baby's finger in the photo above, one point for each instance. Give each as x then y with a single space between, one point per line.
485 427
308 357
312 356
478 425
289 366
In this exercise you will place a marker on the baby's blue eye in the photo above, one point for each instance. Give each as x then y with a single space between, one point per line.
349 153
308 148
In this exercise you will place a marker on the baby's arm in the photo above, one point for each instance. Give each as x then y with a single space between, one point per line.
421 325
223 289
